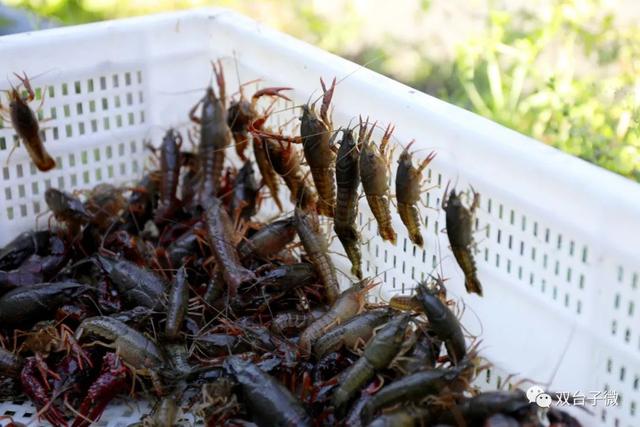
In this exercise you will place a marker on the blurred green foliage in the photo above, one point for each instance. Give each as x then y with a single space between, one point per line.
4 21
67 11
570 80
568 77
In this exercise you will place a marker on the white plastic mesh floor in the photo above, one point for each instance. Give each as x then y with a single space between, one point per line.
558 255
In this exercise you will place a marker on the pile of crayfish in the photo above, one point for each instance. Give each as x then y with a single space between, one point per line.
176 291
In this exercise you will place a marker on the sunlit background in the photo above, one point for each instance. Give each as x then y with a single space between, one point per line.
563 71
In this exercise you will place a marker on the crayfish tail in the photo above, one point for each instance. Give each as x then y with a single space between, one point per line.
380 208
349 238
410 218
45 164
473 285
417 239
356 270
468 266
388 234
325 209
324 180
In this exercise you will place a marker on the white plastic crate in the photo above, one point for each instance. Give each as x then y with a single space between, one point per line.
559 257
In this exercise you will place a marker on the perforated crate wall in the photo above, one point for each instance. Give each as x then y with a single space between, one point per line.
93 125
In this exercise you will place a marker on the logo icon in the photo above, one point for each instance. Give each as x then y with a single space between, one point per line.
543 400
536 395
